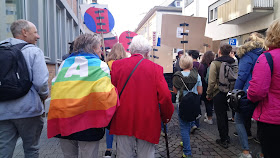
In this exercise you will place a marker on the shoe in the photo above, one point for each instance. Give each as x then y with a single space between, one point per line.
193 129
108 154
242 155
257 140
259 155
210 122
205 116
223 144
235 134
250 137
162 134
228 140
181 143
231 120
186 156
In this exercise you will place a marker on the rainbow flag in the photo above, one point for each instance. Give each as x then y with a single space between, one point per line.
82 96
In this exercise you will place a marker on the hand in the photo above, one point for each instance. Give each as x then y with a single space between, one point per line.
43 99
208 98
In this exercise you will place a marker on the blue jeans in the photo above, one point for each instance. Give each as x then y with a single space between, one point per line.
241 130
29 129
185 128
109 139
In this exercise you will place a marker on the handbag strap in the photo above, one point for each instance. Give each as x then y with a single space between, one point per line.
184 83
130 76
269 61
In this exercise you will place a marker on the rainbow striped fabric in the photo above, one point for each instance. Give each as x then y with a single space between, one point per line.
82 96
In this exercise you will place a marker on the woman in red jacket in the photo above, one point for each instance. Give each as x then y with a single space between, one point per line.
138 119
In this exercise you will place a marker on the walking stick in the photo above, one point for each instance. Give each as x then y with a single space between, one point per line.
166 140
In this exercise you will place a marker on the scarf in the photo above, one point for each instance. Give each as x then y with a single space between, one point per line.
82 97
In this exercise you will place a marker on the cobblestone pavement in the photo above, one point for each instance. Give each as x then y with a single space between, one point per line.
202 143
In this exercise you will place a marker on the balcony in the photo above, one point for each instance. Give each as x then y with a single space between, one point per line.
241 11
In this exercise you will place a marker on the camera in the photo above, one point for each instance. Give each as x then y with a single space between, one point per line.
234 97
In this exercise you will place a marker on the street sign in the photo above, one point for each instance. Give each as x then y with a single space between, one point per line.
232 41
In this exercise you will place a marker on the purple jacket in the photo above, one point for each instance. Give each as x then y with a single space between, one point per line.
265 88
200 68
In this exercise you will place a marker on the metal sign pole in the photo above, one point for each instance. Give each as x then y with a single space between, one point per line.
184 34
102 42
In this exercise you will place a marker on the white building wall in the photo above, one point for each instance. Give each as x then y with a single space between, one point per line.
153 24
224 31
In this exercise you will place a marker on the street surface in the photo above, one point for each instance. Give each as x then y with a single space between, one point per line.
202 142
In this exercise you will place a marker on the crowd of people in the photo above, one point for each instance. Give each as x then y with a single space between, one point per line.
128 97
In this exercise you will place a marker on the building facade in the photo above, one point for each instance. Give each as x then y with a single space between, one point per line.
150 26
229 19
57 22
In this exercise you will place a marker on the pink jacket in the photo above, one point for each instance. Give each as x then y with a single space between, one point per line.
266 89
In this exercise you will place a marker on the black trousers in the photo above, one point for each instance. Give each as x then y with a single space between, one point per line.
270 139
221 107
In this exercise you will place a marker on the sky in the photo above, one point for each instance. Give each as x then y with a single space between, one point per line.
129 13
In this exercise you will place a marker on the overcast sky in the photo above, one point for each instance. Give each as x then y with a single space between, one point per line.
129 13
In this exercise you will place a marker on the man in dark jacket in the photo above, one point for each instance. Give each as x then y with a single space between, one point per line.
177 66
219 98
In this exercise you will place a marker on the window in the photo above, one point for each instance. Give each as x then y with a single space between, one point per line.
46 28
12 10
58 33
213 14
213 10
177 3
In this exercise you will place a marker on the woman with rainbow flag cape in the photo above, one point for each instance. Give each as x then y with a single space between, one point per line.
83 99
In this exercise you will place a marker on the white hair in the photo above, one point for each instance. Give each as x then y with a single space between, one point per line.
139 44
18 25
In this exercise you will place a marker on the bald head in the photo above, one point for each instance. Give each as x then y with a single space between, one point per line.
25 30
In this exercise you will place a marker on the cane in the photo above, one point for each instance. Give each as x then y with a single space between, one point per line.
166 140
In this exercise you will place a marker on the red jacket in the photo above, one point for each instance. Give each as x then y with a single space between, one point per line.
266 89
139 114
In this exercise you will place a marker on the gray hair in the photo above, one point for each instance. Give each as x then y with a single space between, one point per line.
18 25
139 44
86 42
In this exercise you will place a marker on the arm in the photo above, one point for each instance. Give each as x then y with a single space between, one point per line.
164 97
199 90
199 85
40 74
261 79
211 80
113 75
175 90
244 71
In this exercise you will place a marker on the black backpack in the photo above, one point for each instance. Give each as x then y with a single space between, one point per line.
14 76
189 107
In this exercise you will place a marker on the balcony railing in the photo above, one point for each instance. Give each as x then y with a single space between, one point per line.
239 11
263 3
